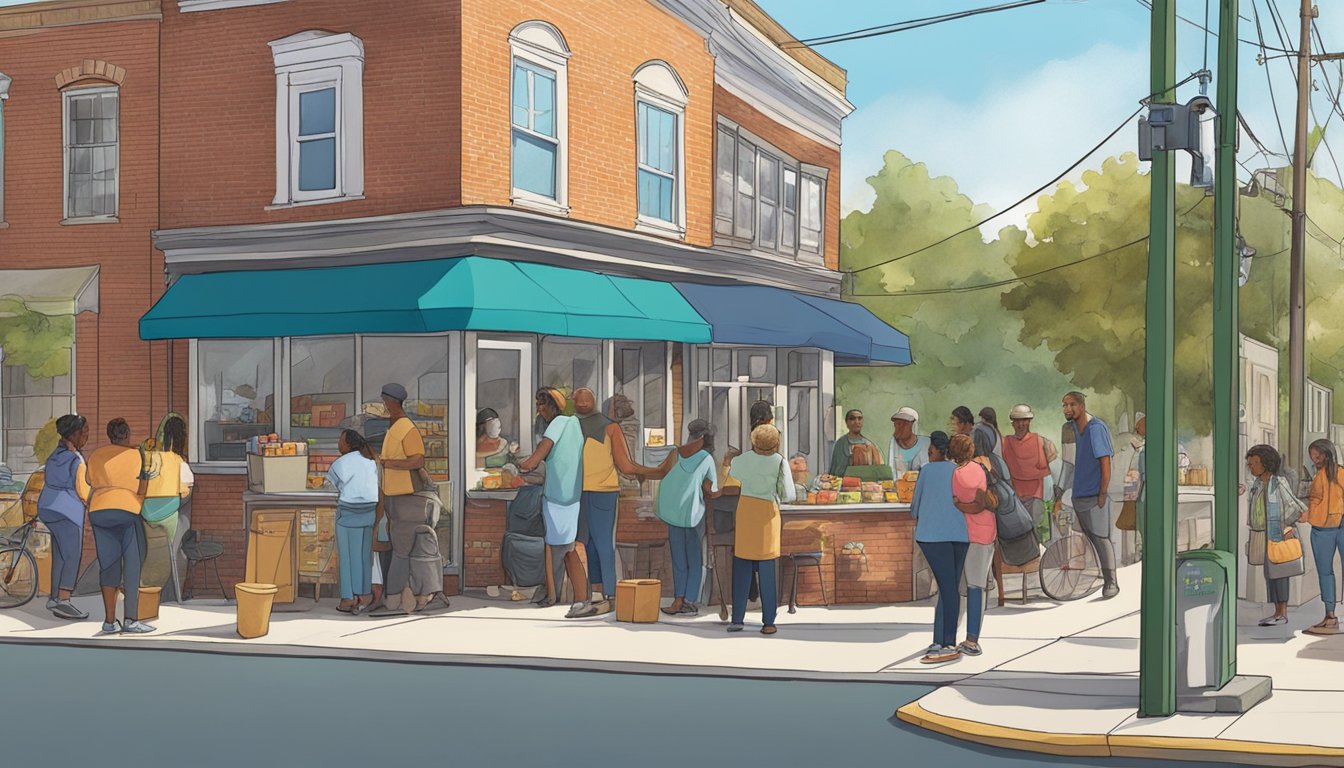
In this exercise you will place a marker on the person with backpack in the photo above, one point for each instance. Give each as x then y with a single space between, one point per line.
689 484
1028 455
119 481
355 477
765 484
402 461
60 507
970 493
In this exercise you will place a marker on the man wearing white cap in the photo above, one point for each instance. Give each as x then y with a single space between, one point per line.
908 451
1028 456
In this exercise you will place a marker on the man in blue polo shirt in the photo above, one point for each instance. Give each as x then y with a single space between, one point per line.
1091 477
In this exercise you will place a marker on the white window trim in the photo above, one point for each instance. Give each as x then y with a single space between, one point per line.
556 61
675 104
301 61
66 95
529 358
192 6
527 198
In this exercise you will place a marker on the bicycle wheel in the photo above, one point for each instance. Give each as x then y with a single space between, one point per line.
18 577
1069 568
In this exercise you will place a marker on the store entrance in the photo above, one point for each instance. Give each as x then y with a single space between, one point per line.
730 412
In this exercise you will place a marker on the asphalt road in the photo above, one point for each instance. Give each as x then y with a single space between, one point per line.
108 707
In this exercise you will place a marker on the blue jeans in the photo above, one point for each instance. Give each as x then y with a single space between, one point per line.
354 545
946 559
67 544
742 572
119 538
975 614
686 546
599 512
1324 543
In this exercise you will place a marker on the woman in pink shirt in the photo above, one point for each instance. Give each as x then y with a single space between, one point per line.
970 493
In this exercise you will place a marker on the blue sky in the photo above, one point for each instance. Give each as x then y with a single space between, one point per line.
1005 101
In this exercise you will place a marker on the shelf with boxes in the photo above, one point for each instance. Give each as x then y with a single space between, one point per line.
431 418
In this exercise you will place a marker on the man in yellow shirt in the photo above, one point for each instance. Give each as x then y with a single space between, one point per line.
402 460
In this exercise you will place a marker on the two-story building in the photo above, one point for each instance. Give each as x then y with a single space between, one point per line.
473 199
79 201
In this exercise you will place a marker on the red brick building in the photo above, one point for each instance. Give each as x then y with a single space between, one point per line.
475 198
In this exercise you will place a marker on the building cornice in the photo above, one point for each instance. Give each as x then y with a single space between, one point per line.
817 64
478 230
32 17
759 71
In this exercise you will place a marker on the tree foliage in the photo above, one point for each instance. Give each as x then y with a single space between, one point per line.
40 342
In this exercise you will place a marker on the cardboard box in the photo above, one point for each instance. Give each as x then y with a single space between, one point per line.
637 600
301 404
277 474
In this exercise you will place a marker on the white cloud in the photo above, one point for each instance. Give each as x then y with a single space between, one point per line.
1009 142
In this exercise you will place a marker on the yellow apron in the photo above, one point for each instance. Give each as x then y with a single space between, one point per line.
756 534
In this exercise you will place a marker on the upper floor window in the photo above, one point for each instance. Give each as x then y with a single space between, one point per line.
539 118
319 120
91 152
660 111
766 200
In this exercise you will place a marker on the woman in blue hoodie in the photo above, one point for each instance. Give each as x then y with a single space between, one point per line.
61 510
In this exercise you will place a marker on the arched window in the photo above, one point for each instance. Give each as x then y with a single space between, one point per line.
660 140
539 117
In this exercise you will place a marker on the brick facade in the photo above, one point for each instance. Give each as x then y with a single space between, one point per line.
117 374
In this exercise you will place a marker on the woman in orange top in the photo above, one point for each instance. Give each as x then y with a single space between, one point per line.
117 475
1325 512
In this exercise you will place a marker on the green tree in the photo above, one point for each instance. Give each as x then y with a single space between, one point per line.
966 344
40 342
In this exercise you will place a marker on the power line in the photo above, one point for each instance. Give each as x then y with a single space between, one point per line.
1278 120
904 26
1024 278
1196 24
1020 201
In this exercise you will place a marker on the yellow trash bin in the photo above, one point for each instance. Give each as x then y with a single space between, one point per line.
149 603
254 608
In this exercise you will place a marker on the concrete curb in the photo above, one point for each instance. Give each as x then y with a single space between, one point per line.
242 648
1109 745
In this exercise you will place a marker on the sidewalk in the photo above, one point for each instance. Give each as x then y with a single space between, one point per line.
1055 678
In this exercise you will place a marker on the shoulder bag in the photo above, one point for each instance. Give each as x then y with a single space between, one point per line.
1284 558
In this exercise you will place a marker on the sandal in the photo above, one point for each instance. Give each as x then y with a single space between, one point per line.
1328 626
969 648
348 608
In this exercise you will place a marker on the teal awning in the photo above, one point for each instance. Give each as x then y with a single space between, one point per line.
467 293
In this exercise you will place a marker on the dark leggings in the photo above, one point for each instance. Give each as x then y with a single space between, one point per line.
947 559
119 537
67 545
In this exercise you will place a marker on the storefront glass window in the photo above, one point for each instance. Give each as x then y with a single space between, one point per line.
640 372
235 396
419 363
804 391
29 404
321 387
504 385
569 364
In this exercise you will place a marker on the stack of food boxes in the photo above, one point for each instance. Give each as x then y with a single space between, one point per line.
318 464
275 465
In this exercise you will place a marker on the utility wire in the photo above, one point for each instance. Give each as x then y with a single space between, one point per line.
904 26
1023 278
1196 24
1278 120
1020 201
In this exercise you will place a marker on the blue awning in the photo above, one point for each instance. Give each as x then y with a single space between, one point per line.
774 317
466 293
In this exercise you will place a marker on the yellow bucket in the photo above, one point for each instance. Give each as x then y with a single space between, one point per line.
149 603
254 608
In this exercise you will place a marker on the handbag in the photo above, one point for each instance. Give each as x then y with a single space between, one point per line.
1286 550
1129 516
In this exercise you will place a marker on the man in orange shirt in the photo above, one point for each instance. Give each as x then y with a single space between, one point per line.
1027 455
402 460
117 476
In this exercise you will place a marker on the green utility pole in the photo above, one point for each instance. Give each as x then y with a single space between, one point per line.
1226 333
1157 627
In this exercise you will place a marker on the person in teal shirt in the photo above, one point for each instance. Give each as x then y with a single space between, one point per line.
689 481
561 447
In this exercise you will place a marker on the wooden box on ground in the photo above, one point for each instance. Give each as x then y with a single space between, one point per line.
637 600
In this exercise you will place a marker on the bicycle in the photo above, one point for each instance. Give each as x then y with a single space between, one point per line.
1069 568
18 567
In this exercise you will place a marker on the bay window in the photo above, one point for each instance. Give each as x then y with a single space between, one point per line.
765 200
